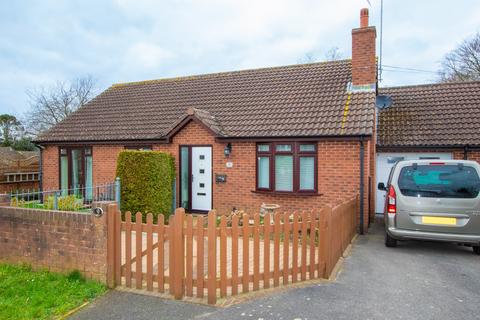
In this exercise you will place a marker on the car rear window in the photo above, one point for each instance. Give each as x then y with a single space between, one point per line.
439 181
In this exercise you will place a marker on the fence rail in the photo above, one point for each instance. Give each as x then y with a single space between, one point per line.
221 256
71 199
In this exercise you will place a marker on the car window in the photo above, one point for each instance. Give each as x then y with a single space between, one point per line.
439 181
389 181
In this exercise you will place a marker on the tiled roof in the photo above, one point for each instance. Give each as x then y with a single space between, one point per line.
298 100
203 116
446 114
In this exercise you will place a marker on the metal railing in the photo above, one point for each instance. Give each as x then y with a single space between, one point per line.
73 199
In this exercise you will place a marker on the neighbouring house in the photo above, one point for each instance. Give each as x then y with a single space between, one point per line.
299 136
434 121
19 170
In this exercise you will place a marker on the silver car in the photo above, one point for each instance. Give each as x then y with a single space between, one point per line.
433 200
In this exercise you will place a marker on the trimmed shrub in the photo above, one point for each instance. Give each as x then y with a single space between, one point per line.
146 180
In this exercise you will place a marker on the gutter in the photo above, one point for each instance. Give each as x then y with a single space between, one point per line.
387 148
100 142
40 167
164 140
362 191
293 138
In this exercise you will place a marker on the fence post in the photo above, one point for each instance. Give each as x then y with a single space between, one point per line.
111 217
55 200
117 191
212 258
179 254
118 244
329 243
357 205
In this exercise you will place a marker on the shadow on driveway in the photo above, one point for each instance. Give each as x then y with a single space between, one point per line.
416 280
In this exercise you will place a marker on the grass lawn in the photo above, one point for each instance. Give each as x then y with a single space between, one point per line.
27 294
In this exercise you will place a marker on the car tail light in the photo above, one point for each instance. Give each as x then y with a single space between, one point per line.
437 163
391 201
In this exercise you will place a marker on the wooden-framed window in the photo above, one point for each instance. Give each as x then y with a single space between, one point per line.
287 167
76 170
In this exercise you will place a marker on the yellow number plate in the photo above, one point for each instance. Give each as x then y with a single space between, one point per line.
440 220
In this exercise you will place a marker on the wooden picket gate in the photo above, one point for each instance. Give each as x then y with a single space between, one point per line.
215 256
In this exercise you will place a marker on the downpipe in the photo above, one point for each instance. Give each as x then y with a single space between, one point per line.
362 191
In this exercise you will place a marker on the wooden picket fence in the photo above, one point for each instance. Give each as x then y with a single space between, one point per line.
216 256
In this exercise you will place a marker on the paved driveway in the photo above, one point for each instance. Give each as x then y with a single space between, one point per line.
416 280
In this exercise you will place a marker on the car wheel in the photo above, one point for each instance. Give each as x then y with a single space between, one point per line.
389 241
476 249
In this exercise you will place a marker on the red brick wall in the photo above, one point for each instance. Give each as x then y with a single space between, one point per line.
105 163
50 168
56 240
471 155
474 155
338 170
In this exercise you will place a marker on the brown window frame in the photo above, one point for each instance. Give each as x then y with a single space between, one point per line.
268 154
86 151
296 153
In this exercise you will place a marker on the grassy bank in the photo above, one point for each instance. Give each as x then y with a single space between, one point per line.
27 294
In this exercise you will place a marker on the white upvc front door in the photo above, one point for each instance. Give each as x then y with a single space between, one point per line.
201 178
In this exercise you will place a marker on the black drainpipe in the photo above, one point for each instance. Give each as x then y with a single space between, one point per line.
465 152
362 151
40 167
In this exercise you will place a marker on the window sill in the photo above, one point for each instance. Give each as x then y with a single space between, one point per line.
282 193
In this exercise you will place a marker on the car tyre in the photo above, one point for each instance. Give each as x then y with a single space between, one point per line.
389 241
476 249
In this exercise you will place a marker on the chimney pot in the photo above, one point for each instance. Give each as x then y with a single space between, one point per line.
364 18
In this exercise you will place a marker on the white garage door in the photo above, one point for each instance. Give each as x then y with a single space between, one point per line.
385 162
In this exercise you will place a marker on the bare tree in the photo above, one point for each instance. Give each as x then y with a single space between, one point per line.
309 57
52 105
333 54
330 55
462 63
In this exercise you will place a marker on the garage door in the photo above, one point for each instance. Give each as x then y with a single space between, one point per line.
385 162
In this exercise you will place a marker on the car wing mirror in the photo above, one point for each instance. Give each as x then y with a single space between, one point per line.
381 186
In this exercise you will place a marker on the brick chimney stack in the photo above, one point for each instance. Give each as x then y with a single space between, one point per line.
364 64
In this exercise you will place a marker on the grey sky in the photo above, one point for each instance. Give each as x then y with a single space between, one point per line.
120 40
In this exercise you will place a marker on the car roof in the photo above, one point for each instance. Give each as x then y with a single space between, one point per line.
437 161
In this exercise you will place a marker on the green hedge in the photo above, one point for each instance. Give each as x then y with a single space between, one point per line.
146 179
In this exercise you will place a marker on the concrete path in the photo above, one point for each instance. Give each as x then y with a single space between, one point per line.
417 280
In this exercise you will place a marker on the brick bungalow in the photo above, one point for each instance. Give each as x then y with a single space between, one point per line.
300 136
439 121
